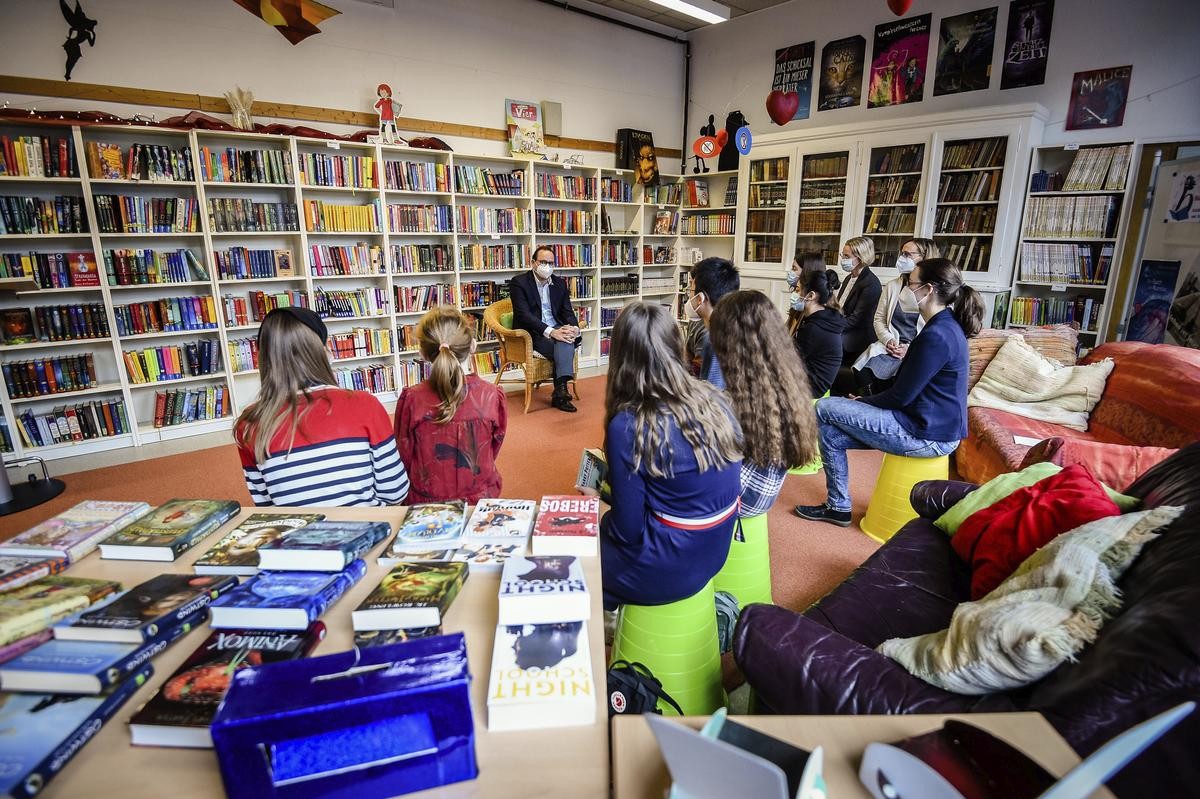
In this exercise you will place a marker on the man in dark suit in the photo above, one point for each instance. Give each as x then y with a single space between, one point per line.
542 307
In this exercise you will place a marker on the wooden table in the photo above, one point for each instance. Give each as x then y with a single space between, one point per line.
640 773
519 764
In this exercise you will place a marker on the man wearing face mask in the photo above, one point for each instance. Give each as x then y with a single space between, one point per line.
858 296
542 307
711 279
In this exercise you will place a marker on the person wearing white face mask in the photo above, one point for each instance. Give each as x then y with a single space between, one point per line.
896 322
818 337
542 307
858 296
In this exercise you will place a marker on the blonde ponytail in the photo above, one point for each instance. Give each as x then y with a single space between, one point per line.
445 340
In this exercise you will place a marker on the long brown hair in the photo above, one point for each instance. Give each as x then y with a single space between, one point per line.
647 377
292 360
445 340
947 282
765 379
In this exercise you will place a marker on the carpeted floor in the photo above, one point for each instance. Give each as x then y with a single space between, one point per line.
540 456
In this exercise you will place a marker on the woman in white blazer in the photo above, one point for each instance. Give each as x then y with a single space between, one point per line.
895 324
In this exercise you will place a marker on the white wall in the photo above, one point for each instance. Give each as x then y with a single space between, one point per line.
732 63
446 60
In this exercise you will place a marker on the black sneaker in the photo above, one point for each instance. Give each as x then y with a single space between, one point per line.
823 513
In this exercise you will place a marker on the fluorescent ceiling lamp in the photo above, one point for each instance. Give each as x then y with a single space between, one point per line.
703 10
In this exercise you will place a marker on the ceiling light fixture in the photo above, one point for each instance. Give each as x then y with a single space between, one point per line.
703 10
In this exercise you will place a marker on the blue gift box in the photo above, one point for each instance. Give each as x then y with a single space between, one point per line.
378 722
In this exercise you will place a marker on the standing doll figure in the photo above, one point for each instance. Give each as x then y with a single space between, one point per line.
387 108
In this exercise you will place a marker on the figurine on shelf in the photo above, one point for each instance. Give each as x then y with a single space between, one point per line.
387 108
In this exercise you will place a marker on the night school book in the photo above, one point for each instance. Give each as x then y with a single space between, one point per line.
75 532
283 600
541 676
500 520
42 732
965 45
540 590
148 609
429 525
180 713
34 607
322 546
237 552
411 595
169 530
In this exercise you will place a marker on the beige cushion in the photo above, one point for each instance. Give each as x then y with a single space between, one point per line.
1041 616
1056 342
1021 380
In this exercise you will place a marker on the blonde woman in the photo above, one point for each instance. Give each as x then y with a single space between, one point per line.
305 441
897 323
449 428
858 296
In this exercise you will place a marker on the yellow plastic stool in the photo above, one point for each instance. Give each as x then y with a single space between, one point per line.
678 643
747 570
890 509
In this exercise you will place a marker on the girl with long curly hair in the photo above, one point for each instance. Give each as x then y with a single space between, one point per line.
769 390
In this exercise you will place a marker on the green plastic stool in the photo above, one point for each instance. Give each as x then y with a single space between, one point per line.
678 643
816 464
747 570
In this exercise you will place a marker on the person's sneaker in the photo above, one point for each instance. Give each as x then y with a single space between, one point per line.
823 513
727 616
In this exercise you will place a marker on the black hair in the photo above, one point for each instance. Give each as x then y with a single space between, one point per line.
810 262
824 283
947 282
716 277
541 247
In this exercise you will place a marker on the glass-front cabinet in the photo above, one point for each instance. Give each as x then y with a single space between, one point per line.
820 217
768 182
892 202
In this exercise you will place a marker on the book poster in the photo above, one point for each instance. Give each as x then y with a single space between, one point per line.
1185 205
524 120
1183 324
793 73
899 62
1098 98
1152 301
1027 46
842 73
965 45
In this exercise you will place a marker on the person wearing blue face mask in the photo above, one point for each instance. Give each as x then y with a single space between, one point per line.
896 323
818 336
858 296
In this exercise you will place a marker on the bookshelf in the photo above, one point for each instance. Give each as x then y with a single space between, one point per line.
1076 210
707 229
892 198
820 217
768 182
968 200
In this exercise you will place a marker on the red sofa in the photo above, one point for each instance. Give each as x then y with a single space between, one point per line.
1150 408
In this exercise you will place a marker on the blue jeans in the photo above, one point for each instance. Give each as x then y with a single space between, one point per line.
848 424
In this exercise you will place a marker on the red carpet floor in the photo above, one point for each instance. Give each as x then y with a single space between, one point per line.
540 456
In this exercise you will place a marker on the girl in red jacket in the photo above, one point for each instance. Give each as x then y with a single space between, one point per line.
450 427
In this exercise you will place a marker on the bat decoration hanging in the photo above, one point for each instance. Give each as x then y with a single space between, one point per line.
83 29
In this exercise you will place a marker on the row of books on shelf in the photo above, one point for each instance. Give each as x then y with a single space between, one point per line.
731 190
44 216
482 331
241 263
566 256
658 254
768 196
554 220
243 354
763 251
487 362
1072 217
491 220
236 165
619 286
359 259
166 315
359 342
892 190
769 169
420 218
666 223
130 267
52 270
1079 311
237 215
38 156
80 421
477 257
904 158
180 406
1068 263
421 298
890 221
583 313
341 171
825 166
965 219
695 193
416 176
357 302
375 378
758 221
974 154
662 194
6 439
323 217
1098 168
973 255
969 187
173 362
714 224
608 316
579 287
128 214
616 190
476 294
565 187
825 192
140 161
618 253
819 221
414 258
406 338
478 180
243 311
41 377
54 323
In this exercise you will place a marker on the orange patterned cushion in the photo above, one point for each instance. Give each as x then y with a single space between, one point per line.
1152 397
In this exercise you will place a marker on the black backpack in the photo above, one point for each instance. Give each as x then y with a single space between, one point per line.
633 689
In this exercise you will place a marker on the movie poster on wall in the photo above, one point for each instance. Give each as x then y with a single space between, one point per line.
793 73
1098 98
842 73
899 62
965 46
1152 301
1027 46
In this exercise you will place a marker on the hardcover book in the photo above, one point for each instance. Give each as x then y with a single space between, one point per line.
42 732
36 606
181 711
169 530
237 552
500 519
322 546
593 469
75 532
17 570
366 638
430 525
87 667
283 600
23 645
567 525
543 589
411 595
487 557
541 677
146 610
389 560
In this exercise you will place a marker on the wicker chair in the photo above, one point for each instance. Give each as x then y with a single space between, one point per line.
516 349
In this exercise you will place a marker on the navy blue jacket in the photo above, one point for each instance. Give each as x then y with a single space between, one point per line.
930 392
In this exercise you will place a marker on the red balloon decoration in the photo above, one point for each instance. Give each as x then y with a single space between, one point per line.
899 7
722 138
781 106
